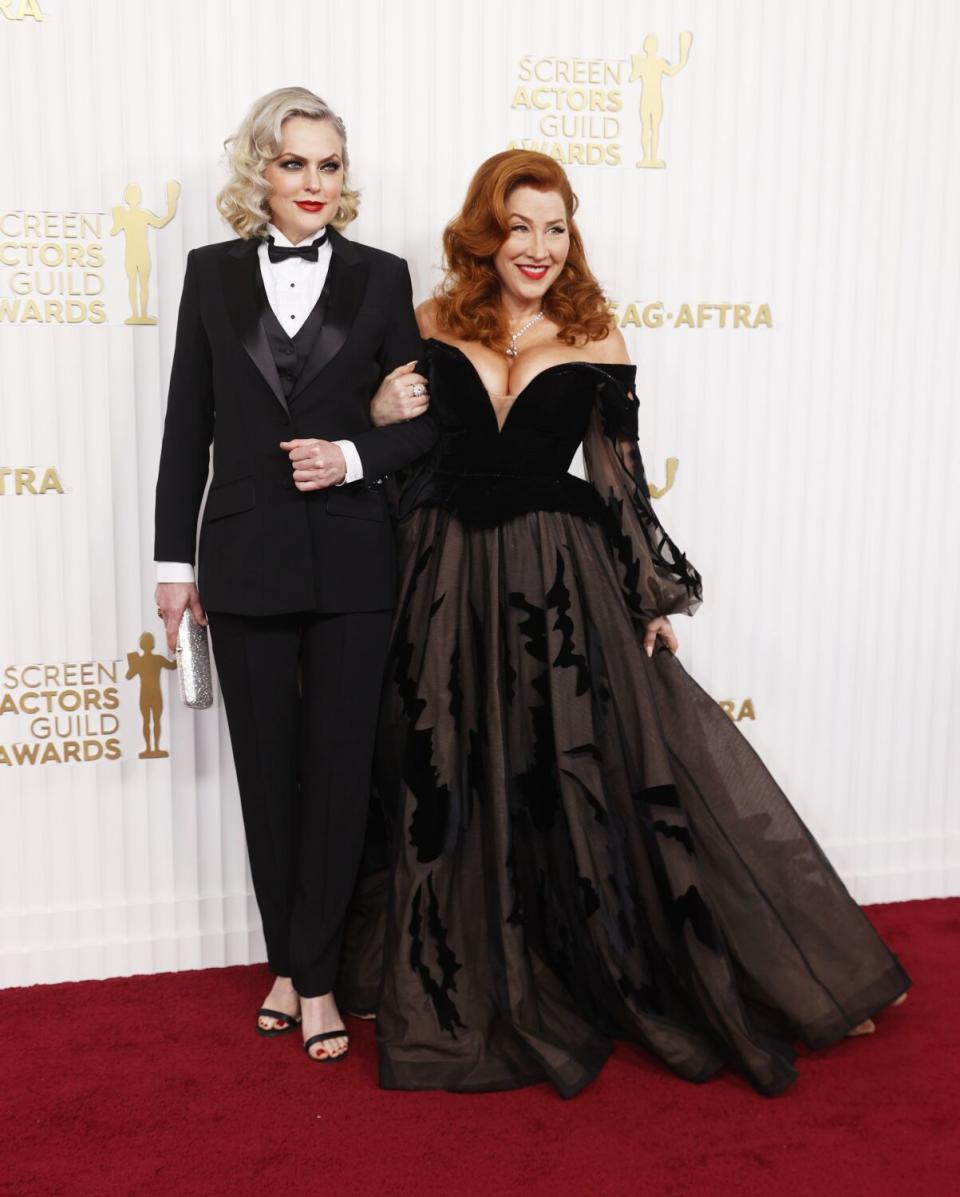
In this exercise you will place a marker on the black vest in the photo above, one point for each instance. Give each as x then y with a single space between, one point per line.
290 353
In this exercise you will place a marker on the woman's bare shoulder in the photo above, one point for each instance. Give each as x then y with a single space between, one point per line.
426 314
611 350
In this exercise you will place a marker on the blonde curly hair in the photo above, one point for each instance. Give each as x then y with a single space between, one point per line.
243 201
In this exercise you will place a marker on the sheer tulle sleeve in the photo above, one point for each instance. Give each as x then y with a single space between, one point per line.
656 577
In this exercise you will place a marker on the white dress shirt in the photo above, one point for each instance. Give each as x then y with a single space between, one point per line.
293 287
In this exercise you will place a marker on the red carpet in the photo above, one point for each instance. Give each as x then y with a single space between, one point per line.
158 1085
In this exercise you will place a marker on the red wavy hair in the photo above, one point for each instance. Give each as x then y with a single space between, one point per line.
468 300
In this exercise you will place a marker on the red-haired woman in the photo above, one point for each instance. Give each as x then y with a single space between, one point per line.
585 847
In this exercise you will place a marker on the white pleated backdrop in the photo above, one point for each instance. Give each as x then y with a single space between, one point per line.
813 166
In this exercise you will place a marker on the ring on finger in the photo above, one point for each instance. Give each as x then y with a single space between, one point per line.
418 389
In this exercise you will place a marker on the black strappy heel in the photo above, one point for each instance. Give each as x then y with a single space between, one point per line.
270 1032
342 1034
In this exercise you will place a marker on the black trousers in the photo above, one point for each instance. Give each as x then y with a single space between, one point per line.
302 695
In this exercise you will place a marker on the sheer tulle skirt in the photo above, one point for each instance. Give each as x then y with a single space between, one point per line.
582 845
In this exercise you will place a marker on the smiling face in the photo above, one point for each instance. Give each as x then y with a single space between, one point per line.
306 178
538 241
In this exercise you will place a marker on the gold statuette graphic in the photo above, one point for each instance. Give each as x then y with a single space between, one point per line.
657 492
650 70
147 666
133 221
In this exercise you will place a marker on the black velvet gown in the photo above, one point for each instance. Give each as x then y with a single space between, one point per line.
581 844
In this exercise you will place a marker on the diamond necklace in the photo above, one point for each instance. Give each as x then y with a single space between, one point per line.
511 350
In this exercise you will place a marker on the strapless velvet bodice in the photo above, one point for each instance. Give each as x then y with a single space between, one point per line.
485 474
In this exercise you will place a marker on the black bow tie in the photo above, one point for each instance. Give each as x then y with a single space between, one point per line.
278 253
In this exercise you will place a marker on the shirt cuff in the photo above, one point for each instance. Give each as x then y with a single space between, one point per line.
354 464
175 571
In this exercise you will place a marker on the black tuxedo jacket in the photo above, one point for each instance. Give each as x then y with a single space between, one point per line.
265 547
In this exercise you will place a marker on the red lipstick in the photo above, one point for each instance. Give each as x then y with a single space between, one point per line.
310 205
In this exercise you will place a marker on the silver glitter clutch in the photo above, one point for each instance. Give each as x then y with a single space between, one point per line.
193 664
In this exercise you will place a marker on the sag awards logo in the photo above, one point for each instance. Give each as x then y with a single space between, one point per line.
581 109
736 711
133 222
147 666
25 480
63 267
21 10
80 712
657 314
671 465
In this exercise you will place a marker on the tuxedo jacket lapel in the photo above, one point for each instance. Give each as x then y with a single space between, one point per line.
347 290
241 300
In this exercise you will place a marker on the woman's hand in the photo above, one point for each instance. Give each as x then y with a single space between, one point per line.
395 400
316 464
661 627
173 598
